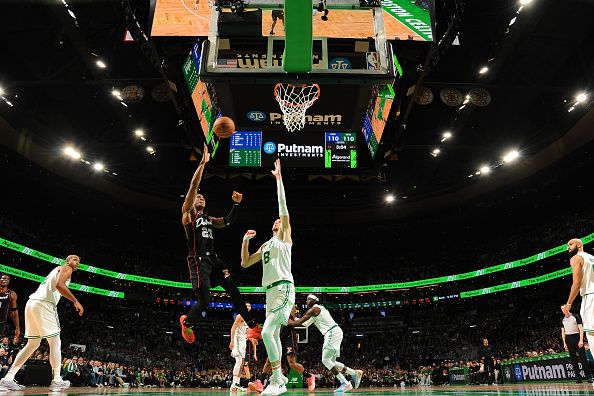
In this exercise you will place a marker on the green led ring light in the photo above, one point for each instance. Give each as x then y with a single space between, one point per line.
308 289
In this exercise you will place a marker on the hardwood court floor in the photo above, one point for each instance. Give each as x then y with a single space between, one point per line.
179 18
499 390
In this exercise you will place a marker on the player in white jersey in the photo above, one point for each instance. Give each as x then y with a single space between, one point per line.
321 318
277 279
582 268
41 321
238 346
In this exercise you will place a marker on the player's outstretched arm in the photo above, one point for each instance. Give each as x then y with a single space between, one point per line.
247 259
220 222
283 211
65 273
195 183
313 311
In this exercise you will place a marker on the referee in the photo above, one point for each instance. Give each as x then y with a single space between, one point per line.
572 333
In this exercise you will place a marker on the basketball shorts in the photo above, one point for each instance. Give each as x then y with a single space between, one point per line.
332 341
255 333
206 271
278 14
587 312
41 319
239 347
289 338
279 303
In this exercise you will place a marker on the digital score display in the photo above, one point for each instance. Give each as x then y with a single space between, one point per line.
341 150
245 149
308 150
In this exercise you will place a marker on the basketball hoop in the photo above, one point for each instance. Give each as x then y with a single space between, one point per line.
294 100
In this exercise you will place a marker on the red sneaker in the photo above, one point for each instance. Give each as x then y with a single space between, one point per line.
311 383
186 331
256 386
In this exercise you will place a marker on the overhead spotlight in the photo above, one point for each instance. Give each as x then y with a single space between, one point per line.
72 153
139 132
485 169
446 136
116 93
143 138
435 152
484 69
581 97
525 2
98 166
389 198
571 109
1 91
150 149
511 156
101 64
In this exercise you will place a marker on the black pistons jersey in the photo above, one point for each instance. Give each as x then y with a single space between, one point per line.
199 236
4 305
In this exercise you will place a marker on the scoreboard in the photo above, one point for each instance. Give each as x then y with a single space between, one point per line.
311 150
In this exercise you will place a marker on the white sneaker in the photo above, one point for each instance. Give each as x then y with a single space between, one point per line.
282 389
236 388
272 390
10 385
57 386
358 377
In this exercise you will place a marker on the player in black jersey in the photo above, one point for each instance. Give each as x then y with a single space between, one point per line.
8 303
206 269
289 337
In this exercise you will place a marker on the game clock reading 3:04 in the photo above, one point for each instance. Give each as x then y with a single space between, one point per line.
326 149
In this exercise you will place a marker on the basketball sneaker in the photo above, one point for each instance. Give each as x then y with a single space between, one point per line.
186 331
10 385
237 389
57 386
347 386
357 377
256 386
311 383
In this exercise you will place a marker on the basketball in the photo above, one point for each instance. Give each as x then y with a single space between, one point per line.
224 127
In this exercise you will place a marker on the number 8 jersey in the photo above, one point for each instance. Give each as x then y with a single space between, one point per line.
276 261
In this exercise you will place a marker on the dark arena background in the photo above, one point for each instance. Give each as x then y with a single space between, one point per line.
437 165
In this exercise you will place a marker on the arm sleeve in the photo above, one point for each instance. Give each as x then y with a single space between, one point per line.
282 202
232 215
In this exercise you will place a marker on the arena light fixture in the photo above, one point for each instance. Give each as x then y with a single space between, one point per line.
139 132
511 156
483 70
446 135
150 149
390 198
101 64
525 2
571 109
1 91
581 97
116 93
435 152
98 166
485 169
72 153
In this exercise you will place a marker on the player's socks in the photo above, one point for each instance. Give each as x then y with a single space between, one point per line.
341 378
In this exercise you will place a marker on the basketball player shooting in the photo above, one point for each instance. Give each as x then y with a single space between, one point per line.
582 269
277 280
206 269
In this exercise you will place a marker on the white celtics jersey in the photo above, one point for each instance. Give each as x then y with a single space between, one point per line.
587 274
324 321
241 330
47 289
276 261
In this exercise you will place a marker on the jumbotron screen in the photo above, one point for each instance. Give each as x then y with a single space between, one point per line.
310 150
403 20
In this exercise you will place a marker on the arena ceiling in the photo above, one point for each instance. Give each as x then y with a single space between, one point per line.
56 94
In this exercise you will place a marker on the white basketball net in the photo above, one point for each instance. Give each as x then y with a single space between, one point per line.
294 100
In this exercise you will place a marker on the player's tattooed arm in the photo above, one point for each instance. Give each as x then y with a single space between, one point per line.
313 311
188 205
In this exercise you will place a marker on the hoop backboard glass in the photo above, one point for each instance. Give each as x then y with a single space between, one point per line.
404 20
